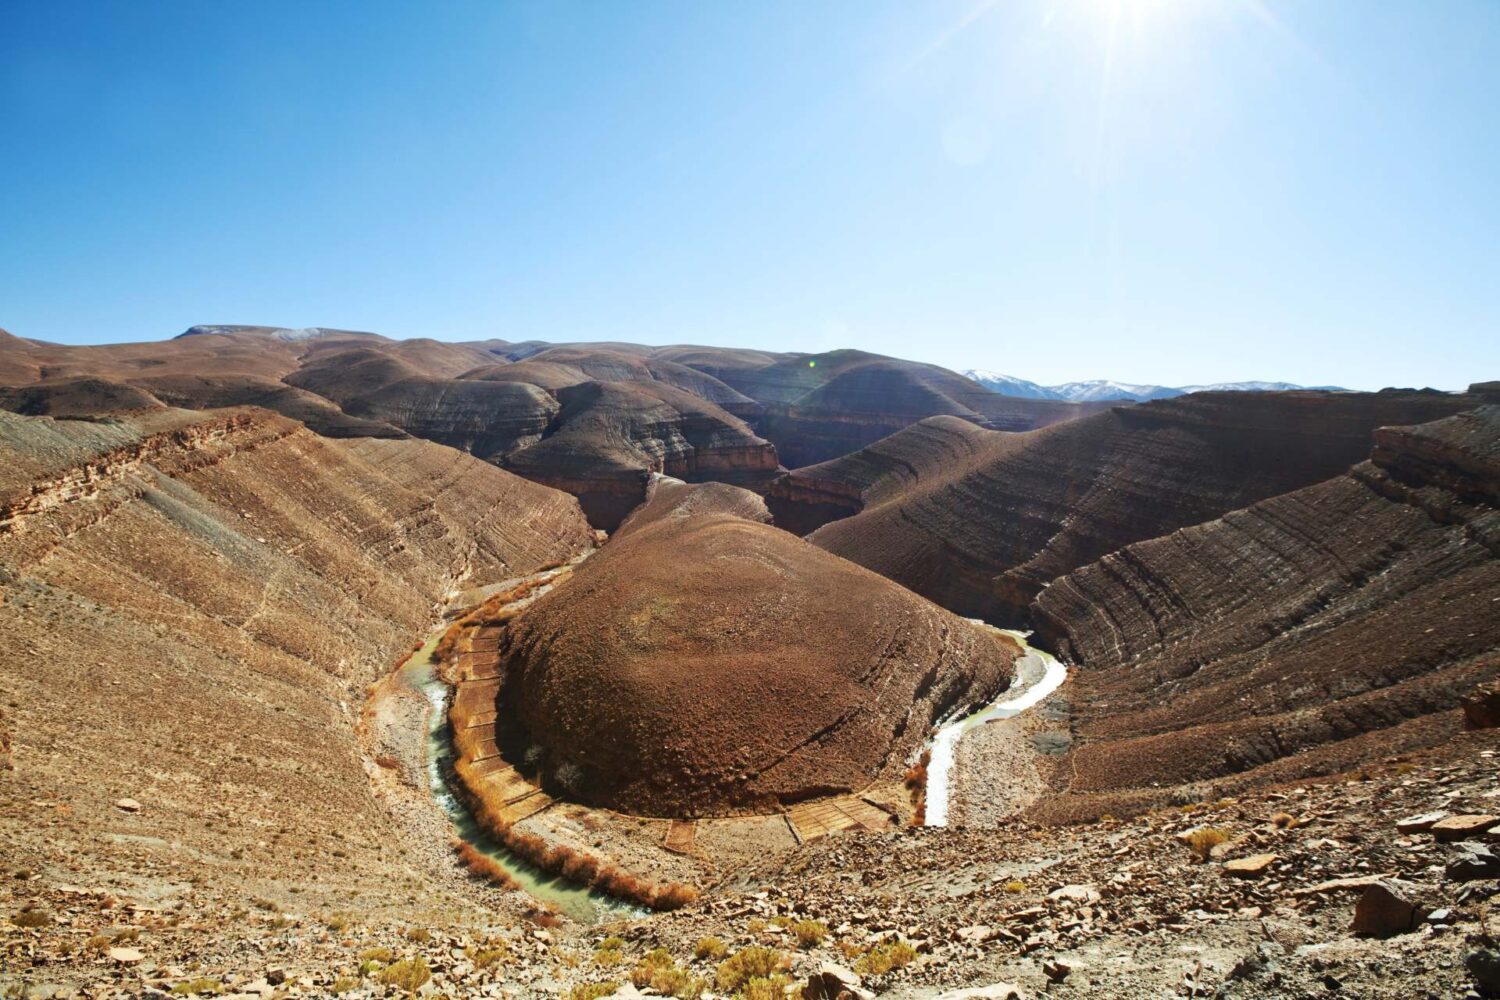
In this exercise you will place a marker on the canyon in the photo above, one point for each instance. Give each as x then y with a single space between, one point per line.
689 620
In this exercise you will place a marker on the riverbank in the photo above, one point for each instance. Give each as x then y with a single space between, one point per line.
982 767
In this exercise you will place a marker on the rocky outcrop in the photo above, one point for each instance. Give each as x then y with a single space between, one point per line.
987 533
705 664
1300 635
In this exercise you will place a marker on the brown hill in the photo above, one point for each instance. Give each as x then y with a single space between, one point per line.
192 608
984 533
703 663
821 406
609 437
1302 635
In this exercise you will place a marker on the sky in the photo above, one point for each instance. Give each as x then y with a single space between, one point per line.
1165 191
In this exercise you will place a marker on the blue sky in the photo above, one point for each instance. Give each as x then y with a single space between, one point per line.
1169 191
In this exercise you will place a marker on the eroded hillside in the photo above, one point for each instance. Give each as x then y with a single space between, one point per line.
193 606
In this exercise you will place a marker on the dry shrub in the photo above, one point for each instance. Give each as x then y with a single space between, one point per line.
607 957
916 775
1284 821
766 988
408 974
709 948
194 987
810 933
32 918
672 896
1015 886
746 964
591 991
483 865
543 917
1203 840
884 958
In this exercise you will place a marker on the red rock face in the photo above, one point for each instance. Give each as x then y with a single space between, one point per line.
984 533
1301 635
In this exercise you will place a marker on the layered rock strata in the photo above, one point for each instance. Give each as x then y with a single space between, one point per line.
1300 635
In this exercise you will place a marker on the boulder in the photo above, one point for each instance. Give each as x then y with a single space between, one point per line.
1474 861
1388 906
1482 706
1459 827
1421 823
1254 866
832 982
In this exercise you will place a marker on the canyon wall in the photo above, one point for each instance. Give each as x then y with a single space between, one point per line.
193 606
1300 635
1013 512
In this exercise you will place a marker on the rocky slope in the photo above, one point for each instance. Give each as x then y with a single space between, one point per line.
984 533
1300 635
704 664
193 605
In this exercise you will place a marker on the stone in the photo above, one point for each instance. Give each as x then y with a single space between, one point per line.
1459 827
1056 970
1474 861
276 975
833 981
977 934
126 956
1421 823
1482 706
1253 866
1338 884
128 805
995 991
1076 893
1388 906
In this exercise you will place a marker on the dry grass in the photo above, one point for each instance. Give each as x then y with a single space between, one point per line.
408 974
746 964
591 991
884 958
32 918
809 933
1284 821
1203 840
710 948
915 780
1015 886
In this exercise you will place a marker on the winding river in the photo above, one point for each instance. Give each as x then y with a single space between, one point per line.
579 902
1038 673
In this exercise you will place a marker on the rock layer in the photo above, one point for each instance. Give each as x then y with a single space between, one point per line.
192 608
703 664
984 532
1300 635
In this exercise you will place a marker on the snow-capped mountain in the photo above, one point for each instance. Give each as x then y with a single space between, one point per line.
1103 390
1009 385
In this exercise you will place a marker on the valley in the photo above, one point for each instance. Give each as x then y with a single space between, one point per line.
339 662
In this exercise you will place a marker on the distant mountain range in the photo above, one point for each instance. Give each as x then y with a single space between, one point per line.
1103 389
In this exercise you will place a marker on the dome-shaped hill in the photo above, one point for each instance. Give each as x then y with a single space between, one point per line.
706 664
